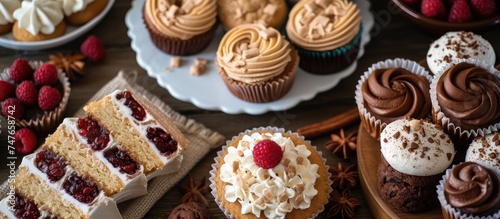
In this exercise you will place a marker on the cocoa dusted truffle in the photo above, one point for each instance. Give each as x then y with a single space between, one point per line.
190 210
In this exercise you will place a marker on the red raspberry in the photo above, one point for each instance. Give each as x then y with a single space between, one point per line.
46 74
48 98
460 12
433 9
20 70
25 141
13 107
267 154
6 90
93 48
26 93
483 8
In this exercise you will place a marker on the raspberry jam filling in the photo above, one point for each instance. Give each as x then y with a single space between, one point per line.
97 136
81 189
162 140
121 160
138 111
24 208
51 164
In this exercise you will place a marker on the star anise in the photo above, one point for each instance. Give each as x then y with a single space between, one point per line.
343 178
341 145
194 192
71 64
343 204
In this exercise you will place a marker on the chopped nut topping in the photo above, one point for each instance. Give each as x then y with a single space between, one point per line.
299 199
236 166
175 62
396 135
286 162
300 160
415 124
299 188
290 171
197 69
283 197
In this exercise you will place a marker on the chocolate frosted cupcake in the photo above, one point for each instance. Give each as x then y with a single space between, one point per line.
181 27
414 156
256 63
469 191
466 99
485 150
327 34
390 90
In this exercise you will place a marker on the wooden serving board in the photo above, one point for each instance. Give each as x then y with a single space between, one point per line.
368 152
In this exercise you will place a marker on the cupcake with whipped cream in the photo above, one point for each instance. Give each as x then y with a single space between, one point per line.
38 21
256 63
485 150
469 191
7 8
458 44
465 97
271 13
414 156
390 90
181 27
269 173
79 12
326 33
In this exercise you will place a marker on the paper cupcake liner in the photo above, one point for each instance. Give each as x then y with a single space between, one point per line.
456 133
49 121
249 131
450 212
176 46
371 123
264 92
332 61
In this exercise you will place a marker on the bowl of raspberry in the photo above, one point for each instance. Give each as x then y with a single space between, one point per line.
34 94
437 17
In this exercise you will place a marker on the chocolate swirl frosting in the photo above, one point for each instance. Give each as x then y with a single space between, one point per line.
395 93
473 189
469 96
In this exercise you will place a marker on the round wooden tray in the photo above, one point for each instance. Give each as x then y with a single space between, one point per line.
368 152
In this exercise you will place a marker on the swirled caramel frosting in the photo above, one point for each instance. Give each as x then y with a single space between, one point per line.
395 93
253 53
473 189
266 12
469 96
322 25
182 19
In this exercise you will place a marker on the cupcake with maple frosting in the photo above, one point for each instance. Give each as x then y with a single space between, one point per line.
256 63
270 13
38 20
390 90
465 99
270 173
79 12
469 191
7 8
181 27
327 34
415 154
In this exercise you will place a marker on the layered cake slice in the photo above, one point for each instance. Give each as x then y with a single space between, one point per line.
94 153
143 131
46 181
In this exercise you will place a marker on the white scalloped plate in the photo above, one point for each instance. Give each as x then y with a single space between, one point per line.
72 32
208 91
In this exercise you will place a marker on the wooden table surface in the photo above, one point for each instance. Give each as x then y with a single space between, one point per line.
392 37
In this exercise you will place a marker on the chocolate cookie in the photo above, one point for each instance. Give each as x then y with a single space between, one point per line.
405 192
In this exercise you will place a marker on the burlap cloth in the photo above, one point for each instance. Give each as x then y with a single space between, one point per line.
201 141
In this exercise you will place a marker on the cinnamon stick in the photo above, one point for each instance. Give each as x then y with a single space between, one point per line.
330 125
